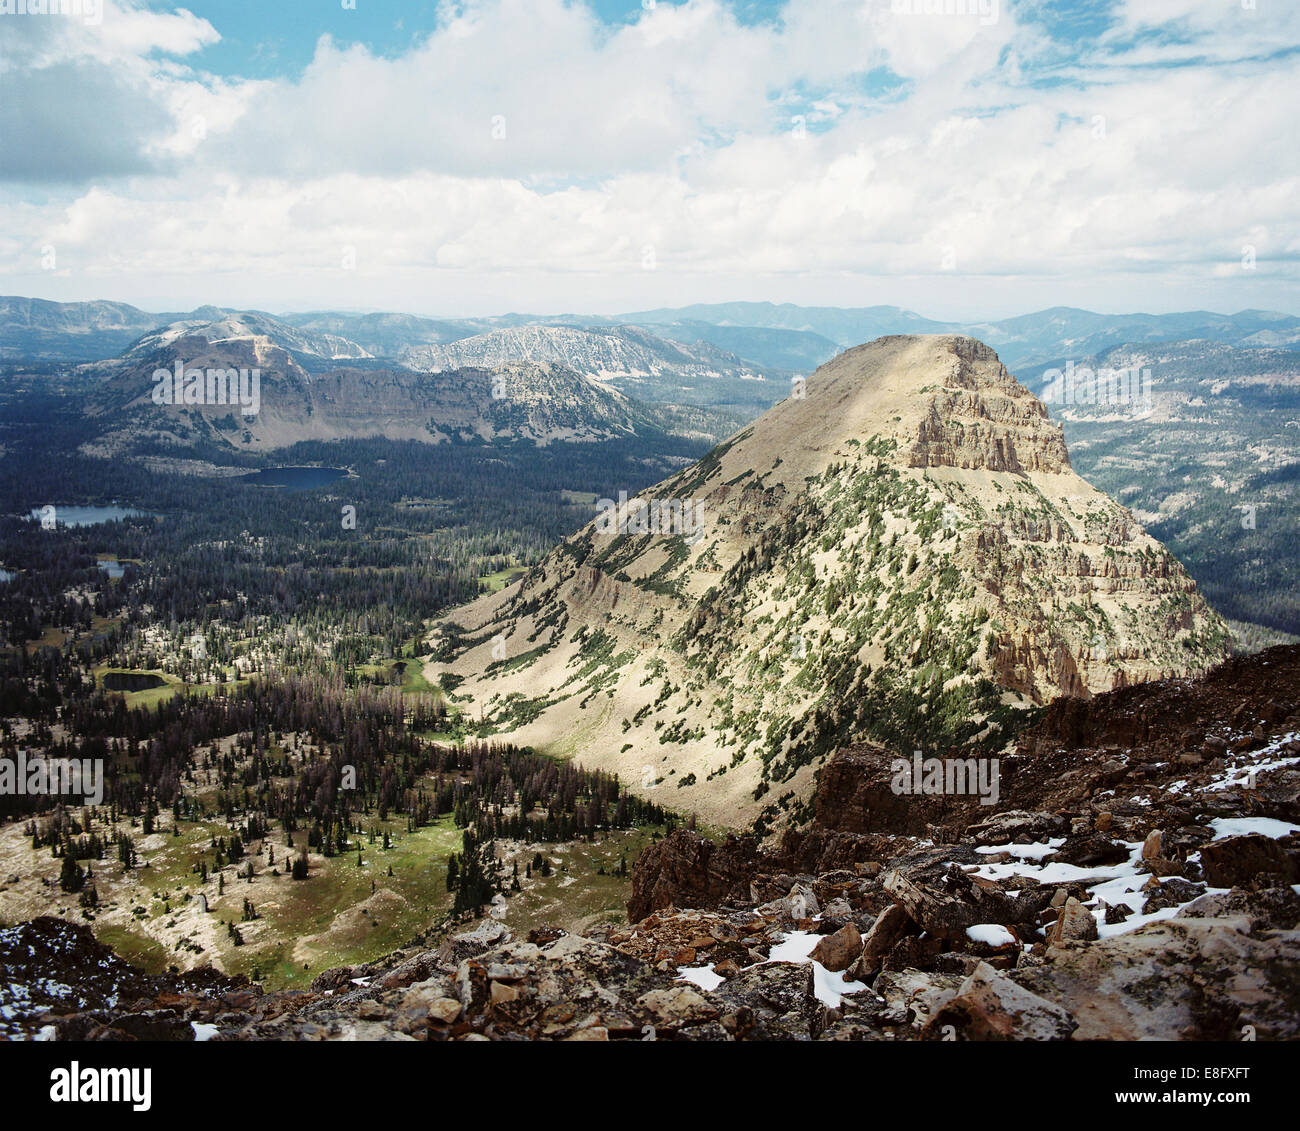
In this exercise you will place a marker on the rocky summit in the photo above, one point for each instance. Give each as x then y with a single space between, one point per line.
1138 881
899 552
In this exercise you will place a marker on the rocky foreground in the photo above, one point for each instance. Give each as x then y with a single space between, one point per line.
1138 878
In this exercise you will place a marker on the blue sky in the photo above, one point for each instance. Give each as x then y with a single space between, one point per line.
966 158
268 39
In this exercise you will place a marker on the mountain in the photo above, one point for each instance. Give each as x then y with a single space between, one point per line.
638 361
902 552
291 403
214 327
842 325
798 351
383 335
1209 463
34 329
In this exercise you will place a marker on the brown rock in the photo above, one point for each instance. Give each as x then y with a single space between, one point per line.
686 870
989 1006
1151 846
503 992
840 950
444 1010
1075 923
1235 861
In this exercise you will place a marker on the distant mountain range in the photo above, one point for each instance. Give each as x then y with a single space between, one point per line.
1040 337
647 365
779 337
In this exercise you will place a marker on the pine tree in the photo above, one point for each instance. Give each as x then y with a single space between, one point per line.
71 877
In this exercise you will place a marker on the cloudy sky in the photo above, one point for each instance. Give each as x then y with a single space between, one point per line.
963 158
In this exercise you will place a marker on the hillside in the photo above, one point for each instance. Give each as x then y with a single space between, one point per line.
302 395
1209 467
638 361
904 552
35 329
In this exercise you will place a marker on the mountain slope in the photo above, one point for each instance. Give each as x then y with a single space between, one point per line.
638 361
33 328
301 396
904 552
383 335
214 326
1210 465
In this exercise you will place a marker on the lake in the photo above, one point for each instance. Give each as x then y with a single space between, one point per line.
87 516
132 681
294 478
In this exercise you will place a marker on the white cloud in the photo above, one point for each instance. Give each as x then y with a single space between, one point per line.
674 132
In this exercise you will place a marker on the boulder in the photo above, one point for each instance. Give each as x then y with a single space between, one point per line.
1267 909
911 997
1016 826
687 870
991 1007
1074 923
1235 861
946 900
676 1007
840 950
771 1002
1177 979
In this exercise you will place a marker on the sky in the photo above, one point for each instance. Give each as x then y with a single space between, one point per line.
967 159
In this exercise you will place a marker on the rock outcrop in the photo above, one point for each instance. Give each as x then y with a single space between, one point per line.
686 870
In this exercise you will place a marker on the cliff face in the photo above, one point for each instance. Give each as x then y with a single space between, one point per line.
982 418
900 551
